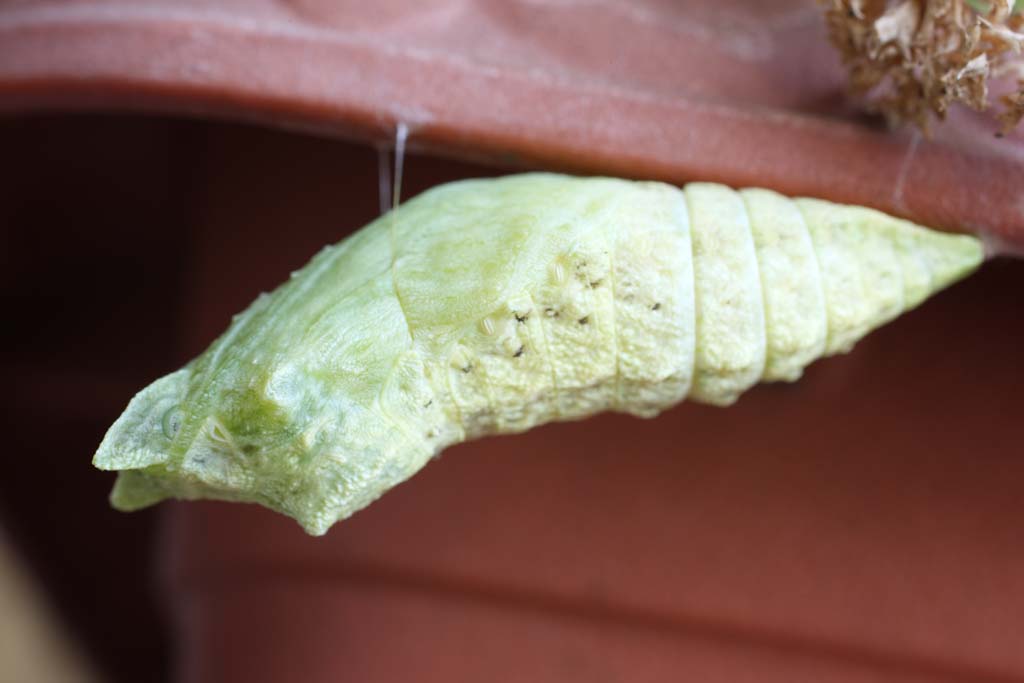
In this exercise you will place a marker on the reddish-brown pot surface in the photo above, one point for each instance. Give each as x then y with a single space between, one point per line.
862 525
726 90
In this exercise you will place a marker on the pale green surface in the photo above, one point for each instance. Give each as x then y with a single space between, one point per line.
731 335
794 303
491 306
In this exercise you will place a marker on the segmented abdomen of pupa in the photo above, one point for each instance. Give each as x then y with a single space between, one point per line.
579 295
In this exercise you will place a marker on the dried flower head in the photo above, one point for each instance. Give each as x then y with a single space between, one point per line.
912 58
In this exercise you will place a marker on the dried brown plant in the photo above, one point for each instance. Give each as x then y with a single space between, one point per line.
912 58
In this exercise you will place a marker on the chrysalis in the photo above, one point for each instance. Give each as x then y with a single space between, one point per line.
490 306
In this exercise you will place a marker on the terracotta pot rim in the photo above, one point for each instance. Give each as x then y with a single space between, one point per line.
219 65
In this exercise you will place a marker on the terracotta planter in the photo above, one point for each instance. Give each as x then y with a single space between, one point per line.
858 526
747 94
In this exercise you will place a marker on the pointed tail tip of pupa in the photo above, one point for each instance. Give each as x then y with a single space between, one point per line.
952 257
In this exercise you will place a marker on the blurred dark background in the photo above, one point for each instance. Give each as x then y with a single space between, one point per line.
95 252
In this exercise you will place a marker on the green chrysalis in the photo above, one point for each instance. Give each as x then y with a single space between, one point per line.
491 306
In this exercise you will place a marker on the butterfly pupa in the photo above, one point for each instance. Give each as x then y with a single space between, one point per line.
492 306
